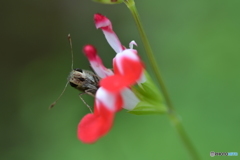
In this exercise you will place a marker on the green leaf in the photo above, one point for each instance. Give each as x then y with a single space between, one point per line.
147 91
152 92
146 111
144 108
109 1
151 100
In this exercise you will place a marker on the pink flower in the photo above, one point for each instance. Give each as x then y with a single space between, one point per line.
114 93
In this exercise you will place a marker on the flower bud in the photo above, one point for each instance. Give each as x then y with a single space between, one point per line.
109 1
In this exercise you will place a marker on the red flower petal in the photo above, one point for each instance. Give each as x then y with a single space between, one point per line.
115 68
114 83
131 71
95 125
131 68
119 102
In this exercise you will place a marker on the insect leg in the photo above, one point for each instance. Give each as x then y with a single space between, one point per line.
80 96
91 92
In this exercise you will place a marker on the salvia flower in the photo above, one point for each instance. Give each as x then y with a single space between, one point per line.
115 88
113 93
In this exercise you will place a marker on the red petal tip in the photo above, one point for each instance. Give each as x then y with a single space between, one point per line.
101 21
90 51
98 17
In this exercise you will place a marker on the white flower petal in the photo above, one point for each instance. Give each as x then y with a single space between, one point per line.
113 41
108 99
100 70
130 100
142 79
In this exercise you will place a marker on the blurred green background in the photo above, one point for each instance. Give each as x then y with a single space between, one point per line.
196 44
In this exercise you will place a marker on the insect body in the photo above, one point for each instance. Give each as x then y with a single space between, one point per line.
84 80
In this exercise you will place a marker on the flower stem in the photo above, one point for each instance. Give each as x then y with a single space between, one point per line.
153 63
171 111
183 135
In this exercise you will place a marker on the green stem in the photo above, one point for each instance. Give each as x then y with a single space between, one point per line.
153 63
183 135
171 111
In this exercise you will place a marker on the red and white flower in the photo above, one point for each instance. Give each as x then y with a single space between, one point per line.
114 92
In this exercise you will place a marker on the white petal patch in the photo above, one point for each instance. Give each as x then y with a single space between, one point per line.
130 100
100 69
113 41
142 78
108 99
103 23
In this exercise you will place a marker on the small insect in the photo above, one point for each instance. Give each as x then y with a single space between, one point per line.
83 80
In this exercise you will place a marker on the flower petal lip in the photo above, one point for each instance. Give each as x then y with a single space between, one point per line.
95 125
105 24
96 62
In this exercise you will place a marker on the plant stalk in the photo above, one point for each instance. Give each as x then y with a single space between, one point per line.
171 111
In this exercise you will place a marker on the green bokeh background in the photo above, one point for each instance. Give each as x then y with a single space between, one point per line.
196 44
